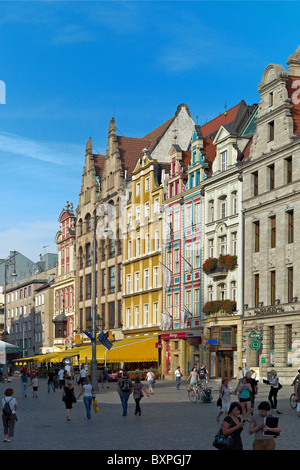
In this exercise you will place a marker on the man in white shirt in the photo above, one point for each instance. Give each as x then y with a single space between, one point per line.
83 375
61 378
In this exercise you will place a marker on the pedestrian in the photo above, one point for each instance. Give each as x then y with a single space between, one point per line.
50 381
224 393
87 391
193 378
259 428
203 375
138 389
296 384
254 387
233 426
61 377
275 386
68 397
124 388
83 375
35 386
244 391
150 380
9 417
24 382
178 376
105 377
240 378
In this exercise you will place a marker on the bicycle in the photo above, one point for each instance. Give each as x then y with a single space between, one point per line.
193 393
293 402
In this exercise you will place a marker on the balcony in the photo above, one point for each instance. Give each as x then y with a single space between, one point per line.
222 306
219 267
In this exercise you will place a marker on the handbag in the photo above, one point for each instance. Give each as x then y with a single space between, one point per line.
222 442
219 401
96 406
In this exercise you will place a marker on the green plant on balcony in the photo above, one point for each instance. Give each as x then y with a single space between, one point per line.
210 265
228 262
215 306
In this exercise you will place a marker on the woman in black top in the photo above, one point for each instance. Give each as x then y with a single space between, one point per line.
233 426
68 396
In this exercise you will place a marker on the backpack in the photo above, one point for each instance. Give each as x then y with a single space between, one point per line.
125 386
7 411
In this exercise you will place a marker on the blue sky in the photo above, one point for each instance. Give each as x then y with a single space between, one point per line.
69 67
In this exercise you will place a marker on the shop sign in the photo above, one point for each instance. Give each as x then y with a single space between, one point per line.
181 335
255 335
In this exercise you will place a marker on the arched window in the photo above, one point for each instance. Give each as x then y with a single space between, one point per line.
88 254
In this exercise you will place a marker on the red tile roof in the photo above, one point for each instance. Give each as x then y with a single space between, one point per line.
210 151
295 110
224 118
131 149
99 164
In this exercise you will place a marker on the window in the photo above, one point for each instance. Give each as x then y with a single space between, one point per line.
88 254
256 290
111 315
223 245
177 263
271 176
155 276
211 211
169 260
156 240
223 208
271 99
197 213
188 216
234 203
138 247
146 314
146 279
222 291
147 184
290 285
129 249
255 183
273 231
272 344
156 206
197 255
103 281
128 283
128 317
155 313
138 189
88 286
233 291
136 316
188 300
291 227
224 161
271 130
176 221
137 281
234 243
256 236
289 345
176 298
211 247
138 215
147 243
273 287
197 302
147 210
289 169
112 279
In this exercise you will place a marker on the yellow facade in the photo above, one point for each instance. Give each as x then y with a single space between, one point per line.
142 243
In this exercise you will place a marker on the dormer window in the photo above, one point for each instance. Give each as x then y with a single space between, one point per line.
224 161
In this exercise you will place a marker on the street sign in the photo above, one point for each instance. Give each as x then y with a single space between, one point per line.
255 344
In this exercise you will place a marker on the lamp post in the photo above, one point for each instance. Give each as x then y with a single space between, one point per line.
10 261
94 363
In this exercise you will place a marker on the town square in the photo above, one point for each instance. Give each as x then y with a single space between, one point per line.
150 192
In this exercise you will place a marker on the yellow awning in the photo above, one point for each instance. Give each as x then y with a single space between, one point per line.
127 350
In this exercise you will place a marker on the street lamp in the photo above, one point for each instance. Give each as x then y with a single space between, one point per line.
10 261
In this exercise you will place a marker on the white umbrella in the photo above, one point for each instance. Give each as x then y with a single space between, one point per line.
4 344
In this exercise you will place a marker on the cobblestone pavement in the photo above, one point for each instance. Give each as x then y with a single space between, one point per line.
169 421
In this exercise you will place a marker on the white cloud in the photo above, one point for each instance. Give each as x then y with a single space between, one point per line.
29 239
51 152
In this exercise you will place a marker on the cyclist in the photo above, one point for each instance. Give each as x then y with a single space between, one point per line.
203 376
194 378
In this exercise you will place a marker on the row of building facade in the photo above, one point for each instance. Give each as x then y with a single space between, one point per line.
188 234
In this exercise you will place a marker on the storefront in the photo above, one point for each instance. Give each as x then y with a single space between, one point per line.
181 349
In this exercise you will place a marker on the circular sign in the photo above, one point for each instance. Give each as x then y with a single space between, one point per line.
255 344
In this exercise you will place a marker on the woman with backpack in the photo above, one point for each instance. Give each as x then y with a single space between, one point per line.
9 417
